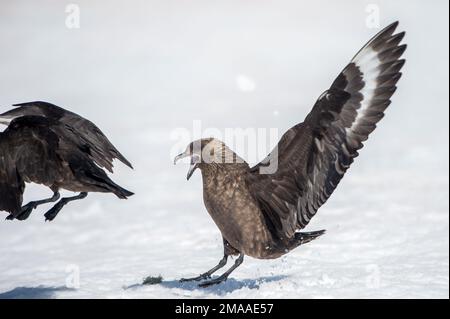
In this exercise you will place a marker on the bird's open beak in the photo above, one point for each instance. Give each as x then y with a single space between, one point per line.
194 163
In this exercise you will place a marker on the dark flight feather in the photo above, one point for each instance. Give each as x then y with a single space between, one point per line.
85 133
313 156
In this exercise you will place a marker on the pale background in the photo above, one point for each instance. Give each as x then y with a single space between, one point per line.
141 69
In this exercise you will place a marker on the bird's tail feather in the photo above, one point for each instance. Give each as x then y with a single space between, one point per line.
99 178
301 238
121 192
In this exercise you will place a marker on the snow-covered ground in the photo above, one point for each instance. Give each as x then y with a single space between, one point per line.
145 69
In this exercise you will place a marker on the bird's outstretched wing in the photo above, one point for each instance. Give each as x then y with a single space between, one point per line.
314 155
88 135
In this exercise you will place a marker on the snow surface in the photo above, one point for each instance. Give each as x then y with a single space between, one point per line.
143 70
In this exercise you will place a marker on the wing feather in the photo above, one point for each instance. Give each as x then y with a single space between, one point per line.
87 135
313 156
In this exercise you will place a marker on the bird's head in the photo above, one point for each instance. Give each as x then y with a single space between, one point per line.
207 152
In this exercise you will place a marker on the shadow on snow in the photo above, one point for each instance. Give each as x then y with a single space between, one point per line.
40 292
226 287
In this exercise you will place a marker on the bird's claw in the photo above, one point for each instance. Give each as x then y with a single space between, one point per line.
51 214
49 217
207 283
24 212
201 277
212 282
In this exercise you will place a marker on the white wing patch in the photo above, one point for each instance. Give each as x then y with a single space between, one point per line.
368 63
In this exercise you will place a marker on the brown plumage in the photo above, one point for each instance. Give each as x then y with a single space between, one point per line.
260 210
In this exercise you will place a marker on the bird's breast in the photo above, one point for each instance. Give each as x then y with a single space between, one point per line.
237 215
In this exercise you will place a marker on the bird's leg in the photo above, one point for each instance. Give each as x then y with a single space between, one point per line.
28 208
208 274
51 214
223 277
